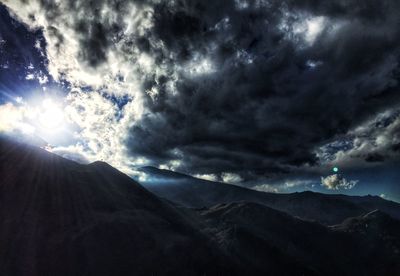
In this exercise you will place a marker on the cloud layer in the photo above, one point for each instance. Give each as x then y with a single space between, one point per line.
248 89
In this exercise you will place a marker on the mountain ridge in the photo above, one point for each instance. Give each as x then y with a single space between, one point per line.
196 193
58 217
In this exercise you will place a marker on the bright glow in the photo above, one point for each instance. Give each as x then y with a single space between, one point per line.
37 119
26 128
335 169
303 27
51 116
313 64
314 27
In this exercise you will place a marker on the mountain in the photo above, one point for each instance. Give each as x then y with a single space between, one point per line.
379 236
58 217
260 237
376 226
327 209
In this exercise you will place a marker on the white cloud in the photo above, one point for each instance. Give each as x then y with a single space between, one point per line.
209 177
64 49
314 26
39 76
15 118
375 137
285 185
102 128
266 188
75 153
232 178
336 182
172 165
305 29
292 183
30 76
312 64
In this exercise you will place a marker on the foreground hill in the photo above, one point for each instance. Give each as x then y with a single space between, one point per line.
327 209
58 217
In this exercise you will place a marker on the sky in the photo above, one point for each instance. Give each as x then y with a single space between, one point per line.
277 96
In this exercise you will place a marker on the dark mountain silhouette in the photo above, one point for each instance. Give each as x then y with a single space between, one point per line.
58 217
378 236
258 237
327 209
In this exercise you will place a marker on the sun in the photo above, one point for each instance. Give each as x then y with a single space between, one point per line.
51 116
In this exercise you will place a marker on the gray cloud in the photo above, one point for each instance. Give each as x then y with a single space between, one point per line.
250 88
372 143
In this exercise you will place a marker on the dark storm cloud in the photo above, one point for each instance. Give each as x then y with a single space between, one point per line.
370 10
273 111
249 87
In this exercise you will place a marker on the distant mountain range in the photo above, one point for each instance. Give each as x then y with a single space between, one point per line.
324 208
58 217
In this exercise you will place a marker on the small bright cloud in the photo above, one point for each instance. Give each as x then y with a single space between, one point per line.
337 182
73 152
313 27
231 178
266 188
30 77
172 165
285 186
312 64
209 177
292 183
13 118
303 27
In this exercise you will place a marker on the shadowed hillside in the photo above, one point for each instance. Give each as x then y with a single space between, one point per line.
61 218
257 236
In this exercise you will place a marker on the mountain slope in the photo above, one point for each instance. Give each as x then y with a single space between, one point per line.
327 209
261 237
61 218
379 236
